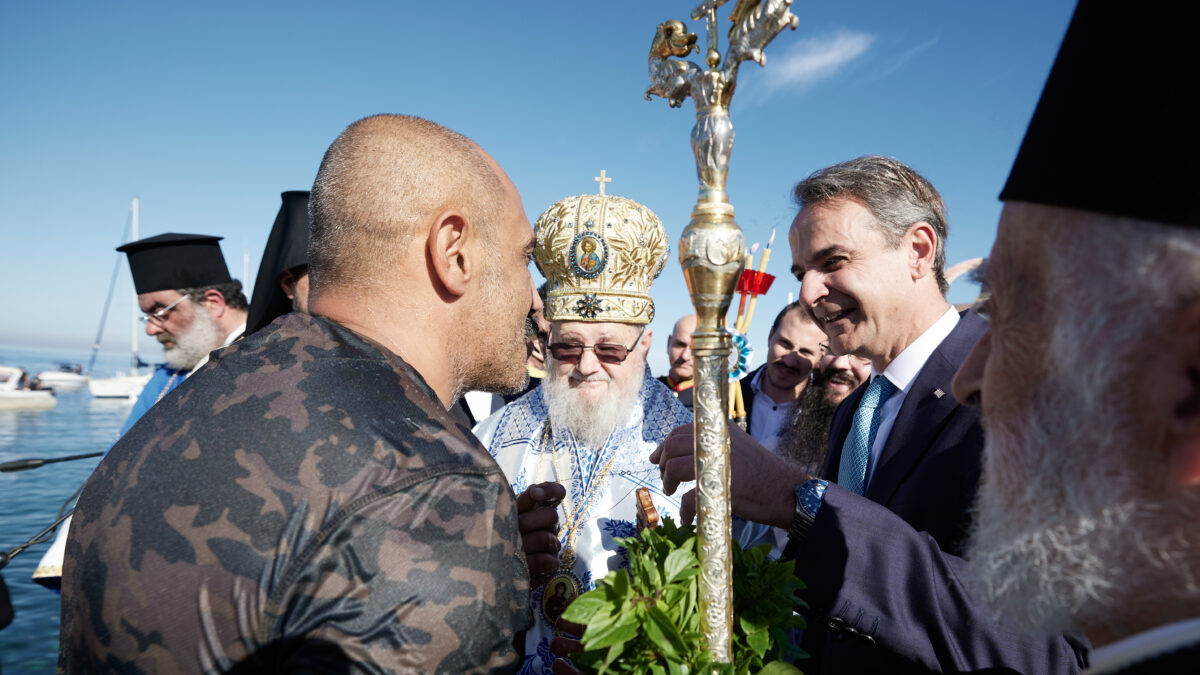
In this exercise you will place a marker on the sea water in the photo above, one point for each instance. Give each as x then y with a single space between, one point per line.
30 500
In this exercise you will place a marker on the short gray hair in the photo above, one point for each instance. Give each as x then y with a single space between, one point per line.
895 194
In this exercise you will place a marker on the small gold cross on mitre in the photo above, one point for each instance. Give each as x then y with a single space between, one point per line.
602 179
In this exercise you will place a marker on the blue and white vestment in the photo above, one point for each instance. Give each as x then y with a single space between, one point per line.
515 437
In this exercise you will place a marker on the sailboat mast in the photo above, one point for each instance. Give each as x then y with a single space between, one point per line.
134 328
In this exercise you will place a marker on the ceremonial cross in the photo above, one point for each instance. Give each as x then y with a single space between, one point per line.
601 179
713 57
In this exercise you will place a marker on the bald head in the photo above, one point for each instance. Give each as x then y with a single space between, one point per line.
379 183
679 349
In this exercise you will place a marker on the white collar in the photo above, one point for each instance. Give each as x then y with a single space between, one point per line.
756 381
229 339
905 367
1128 651
237 333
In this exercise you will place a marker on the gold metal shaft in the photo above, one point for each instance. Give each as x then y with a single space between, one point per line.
712 252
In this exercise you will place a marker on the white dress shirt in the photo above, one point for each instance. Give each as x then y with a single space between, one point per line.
769 417
901 372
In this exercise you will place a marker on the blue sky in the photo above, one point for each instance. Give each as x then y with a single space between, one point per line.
207 111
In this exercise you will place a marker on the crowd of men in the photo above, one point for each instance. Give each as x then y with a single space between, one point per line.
1009 488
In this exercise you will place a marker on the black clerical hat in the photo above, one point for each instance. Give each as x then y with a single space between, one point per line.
172 261
287 248
1115 131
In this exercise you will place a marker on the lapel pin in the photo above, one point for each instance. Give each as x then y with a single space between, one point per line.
939 393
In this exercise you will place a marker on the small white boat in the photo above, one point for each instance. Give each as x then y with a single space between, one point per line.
12 397
121 386
68 377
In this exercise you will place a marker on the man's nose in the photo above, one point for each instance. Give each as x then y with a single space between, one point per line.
536 304
968 381
153 329
588 363
812 289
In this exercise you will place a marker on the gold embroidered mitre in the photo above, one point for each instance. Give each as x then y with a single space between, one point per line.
599 254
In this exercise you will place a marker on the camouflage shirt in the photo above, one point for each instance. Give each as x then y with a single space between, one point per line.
303 502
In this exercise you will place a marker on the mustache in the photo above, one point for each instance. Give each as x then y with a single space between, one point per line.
594 377
788 368
839 376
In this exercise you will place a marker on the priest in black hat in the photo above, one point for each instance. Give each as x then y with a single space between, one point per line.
191 306
1089 378
282 282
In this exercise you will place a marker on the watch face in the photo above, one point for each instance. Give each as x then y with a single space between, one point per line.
809 497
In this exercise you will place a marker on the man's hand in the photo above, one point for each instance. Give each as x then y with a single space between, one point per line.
537 519
761 483
565 647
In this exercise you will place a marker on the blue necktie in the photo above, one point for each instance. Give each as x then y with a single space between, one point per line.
856 453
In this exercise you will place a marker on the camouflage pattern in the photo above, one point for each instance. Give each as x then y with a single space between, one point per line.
303 502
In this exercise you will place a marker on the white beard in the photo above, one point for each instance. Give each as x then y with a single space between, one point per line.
1074 520
203 336
589 422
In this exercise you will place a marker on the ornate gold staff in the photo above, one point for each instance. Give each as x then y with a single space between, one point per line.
712 252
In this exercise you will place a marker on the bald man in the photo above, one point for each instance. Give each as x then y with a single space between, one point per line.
679 354
306 502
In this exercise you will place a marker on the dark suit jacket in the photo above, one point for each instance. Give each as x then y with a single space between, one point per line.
883 596
929 468
748 392
685 396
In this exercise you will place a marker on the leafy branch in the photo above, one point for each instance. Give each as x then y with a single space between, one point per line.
646 619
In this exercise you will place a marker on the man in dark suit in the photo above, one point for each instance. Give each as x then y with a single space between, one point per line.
868 246
772 389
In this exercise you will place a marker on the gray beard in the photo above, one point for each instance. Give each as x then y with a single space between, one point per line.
1074 524
589 423
203 336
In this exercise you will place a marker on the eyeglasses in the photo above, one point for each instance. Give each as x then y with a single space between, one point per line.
159 317
571 352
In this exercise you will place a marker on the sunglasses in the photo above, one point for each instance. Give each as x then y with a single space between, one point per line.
571 352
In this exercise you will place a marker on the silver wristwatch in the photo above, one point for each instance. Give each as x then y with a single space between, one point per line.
809 496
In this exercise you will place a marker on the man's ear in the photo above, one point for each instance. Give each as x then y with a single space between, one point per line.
922 247
448 252
214 303
647 339
287 283
1184 385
